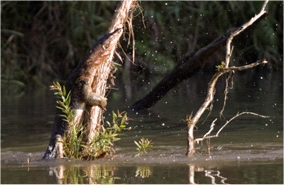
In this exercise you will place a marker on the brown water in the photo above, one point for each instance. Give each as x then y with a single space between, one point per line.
248 150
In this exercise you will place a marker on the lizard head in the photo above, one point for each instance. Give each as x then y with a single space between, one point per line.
104 46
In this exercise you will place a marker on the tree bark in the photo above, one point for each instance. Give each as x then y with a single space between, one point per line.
88 83
187 67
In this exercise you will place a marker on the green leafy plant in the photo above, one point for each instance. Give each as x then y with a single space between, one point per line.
74 143
63 102
143 146
103 141
159 45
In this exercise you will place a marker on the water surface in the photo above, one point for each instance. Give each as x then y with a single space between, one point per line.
248 150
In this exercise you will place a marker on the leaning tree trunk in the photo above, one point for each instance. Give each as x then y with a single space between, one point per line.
88 84
187 67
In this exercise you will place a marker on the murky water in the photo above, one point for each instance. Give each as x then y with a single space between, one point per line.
248 150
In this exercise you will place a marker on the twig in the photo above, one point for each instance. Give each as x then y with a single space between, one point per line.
206 136
226 91
241 68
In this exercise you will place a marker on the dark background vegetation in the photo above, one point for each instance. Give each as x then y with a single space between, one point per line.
43 41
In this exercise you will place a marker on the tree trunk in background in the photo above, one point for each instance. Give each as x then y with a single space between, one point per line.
189 66
88 82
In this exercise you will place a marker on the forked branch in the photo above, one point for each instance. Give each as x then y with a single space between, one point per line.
238 31
208 136
223 68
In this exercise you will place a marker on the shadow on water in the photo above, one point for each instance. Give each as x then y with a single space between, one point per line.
249 150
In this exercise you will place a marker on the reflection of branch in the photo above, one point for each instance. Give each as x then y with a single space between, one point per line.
209 173
206 136
191 173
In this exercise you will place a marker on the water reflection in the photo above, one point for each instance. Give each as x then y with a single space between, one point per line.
173 173
213 174
108 174
26 124
143 171
148 169
92 174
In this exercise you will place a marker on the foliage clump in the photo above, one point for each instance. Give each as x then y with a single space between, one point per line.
75 145
143 146
44 40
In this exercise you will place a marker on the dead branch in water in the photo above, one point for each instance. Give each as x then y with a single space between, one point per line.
207 135
223 68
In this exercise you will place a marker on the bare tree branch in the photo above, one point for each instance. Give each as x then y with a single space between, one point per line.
222 69
242 28
207 135
241 68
